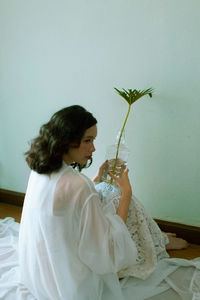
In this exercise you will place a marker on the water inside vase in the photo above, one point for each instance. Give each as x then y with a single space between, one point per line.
120 167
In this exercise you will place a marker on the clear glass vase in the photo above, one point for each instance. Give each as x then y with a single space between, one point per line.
110 156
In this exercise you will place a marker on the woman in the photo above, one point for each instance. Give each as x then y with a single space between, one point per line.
68 249
74 242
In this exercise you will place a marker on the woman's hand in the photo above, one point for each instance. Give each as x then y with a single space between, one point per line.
98 176
126 189
123 182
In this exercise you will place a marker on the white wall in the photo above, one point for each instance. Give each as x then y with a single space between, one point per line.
57 53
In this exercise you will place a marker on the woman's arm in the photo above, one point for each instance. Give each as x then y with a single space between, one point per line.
126 189
105 244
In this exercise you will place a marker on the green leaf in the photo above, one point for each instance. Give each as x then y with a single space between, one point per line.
132 96
123 94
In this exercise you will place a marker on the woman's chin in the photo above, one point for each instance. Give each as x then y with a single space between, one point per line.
84 161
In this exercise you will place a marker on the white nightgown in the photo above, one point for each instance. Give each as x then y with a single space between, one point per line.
72 245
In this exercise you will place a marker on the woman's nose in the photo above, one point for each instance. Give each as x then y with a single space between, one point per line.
93 148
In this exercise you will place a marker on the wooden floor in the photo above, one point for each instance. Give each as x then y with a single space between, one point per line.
7 210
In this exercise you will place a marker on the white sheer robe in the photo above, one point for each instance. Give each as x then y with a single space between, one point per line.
67 246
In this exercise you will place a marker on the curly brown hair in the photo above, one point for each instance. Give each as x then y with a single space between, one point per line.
65 128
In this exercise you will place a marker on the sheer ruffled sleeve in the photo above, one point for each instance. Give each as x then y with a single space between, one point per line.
105 245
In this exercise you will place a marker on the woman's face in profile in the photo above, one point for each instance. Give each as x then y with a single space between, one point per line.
84 152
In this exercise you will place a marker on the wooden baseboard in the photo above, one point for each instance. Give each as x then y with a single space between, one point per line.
188 232
12 197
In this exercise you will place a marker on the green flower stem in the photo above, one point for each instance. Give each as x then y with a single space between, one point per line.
118 144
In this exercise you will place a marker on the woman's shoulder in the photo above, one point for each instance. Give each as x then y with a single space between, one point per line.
75 182
72 190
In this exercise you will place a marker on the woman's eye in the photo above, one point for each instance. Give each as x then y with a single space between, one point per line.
87 141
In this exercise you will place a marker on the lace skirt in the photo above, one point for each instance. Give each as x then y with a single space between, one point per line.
146 234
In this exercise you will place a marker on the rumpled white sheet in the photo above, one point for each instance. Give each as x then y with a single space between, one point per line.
10 287
174 279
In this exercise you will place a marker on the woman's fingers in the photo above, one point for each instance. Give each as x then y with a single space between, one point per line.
125 172
123 182
113 176
102 168
98 176
122 177
103 165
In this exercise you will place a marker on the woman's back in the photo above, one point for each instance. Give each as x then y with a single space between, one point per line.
49 234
